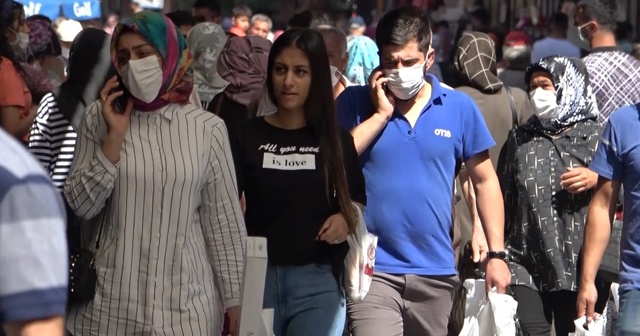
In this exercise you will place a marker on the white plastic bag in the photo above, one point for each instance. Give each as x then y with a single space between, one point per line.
360 260
596 327
605 324
483 317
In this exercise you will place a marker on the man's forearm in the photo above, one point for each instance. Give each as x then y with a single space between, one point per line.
364 133
491 212
597 232
469 195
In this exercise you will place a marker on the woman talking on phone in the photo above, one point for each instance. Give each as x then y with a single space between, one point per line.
154 178
299 174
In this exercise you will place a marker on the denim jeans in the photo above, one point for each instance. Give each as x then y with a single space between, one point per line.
306 300
629 314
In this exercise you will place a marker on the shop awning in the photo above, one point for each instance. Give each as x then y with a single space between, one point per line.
79 10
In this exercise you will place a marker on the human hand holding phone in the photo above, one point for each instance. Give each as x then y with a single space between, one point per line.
117 119
383 99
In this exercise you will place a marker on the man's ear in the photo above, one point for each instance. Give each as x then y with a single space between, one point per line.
233 21
431 57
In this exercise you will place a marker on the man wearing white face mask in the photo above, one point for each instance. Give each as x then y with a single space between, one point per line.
412 134
615 75
336 42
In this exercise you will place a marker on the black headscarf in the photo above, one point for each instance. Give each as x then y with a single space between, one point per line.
475 63
88 56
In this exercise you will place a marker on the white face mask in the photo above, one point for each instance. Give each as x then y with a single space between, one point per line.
143 78
406 82
545 104
334 77
582 38
21 43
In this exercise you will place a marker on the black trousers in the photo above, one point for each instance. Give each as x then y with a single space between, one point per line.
537 310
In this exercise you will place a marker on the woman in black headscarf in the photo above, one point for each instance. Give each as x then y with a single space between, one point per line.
53 136
547 188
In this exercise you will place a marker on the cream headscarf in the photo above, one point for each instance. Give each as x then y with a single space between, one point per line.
206 41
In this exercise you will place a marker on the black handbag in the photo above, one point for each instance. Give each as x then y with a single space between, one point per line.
82 270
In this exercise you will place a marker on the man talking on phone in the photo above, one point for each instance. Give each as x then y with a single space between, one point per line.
412 134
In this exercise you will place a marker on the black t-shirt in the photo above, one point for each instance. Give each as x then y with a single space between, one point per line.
282 176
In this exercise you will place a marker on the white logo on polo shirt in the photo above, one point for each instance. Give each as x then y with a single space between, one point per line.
442 132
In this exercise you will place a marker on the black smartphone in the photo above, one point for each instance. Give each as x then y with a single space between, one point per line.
121 102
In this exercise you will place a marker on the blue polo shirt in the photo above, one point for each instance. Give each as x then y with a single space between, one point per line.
618 159
410 173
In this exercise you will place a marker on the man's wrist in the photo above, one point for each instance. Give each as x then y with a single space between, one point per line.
498 255
588 276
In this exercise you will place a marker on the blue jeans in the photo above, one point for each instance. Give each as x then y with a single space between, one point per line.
306 300
629 314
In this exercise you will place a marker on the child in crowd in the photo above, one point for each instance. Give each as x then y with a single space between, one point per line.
240 20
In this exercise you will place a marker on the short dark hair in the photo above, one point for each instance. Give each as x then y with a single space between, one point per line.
403 25
241 10
181 18
603 12
560 21
212 5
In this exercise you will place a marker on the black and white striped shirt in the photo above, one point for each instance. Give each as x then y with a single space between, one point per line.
615 78
53 140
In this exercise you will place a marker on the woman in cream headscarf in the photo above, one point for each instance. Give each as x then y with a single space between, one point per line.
206 41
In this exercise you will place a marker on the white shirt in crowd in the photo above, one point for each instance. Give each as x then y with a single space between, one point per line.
171 247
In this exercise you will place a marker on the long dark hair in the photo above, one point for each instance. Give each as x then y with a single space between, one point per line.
87 65
10 11
319 112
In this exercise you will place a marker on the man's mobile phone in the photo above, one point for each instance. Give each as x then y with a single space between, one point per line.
121 102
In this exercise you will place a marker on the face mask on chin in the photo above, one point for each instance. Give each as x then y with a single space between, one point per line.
545 104
143 78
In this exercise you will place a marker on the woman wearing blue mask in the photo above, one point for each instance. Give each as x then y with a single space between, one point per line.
153 177
547 188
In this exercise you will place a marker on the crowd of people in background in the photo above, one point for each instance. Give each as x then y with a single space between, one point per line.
144 150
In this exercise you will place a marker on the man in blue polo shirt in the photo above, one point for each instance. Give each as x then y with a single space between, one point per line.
411 135
617 162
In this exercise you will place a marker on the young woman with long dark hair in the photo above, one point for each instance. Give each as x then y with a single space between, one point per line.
300 174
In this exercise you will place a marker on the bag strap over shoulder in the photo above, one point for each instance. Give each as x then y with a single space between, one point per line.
512 105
